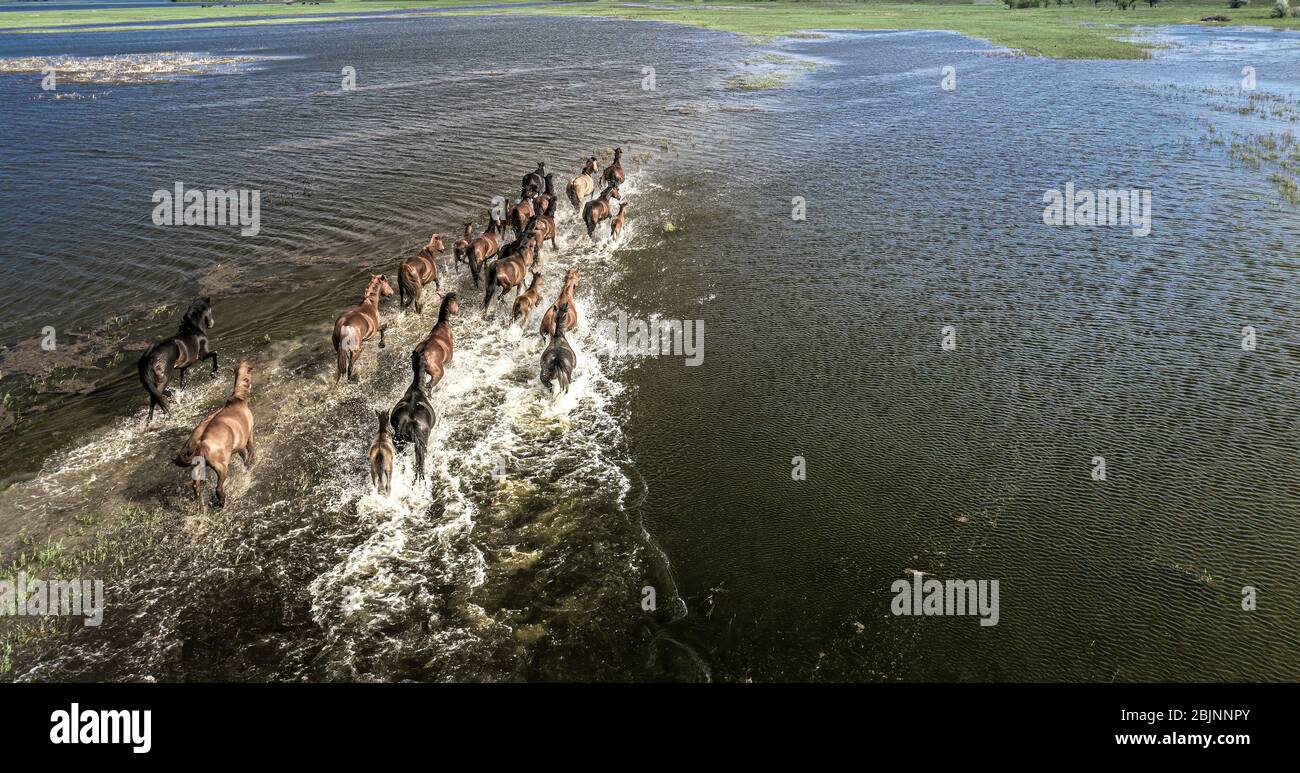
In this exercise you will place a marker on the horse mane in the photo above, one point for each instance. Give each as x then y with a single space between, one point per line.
194 315
446 304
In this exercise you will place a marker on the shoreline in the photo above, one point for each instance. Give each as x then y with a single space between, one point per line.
1061 32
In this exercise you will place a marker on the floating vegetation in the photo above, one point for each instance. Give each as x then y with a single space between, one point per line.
756 81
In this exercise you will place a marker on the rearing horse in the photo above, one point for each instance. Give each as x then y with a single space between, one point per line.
187 347
359 324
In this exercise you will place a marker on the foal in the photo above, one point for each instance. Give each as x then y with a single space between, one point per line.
484 246
581 187
358 325
617 222
188 346
558 361
414 273
435 351
381 456
564 300
460 249
224 433
527 301
613 174
413 417
598 211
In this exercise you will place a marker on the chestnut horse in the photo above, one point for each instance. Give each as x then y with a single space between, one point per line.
509 272
581 187
381 456
484 246
613 174
543 228
618 221
435 351
519 214
414 273
565 299
527 301
545 198
460 249
358 325
598 211
224 433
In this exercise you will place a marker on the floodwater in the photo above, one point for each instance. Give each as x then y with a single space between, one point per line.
530 551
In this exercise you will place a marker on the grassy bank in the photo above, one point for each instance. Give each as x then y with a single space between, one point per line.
1081 31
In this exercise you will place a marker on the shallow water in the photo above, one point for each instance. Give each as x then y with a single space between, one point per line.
822 341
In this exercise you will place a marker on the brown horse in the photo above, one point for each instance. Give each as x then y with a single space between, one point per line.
617 222
565 299
224 433
509 272
358 325
519 215
543 228
544 199
435 351
381 456
414 273
484 246
581 187
613 174
460 249
598 211
527 301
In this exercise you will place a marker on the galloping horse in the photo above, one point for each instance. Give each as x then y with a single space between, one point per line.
484 246
508 273
618 221
527 301
536 180
358 325
413 418
224 433
558 360
435 351
613 174
565 300
581 187
179 352
460 248
519 214
598 211
381 456
414 273
543 227
545 198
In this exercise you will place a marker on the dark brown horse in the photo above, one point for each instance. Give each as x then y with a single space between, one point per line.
545 198
358 325
178 353
598 211
581 187
224 433
543 228
414 273
484 246
558 361
565 299
436 350
460 249
534 182
527 301
613 174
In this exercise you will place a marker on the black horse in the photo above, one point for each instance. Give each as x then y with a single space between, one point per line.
187 347
534 182
558 358
413 418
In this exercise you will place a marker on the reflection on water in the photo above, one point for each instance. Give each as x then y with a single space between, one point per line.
923 211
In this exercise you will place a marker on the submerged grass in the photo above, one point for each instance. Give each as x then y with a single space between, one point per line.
1080 31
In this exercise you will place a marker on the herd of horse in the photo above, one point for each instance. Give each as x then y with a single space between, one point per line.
497 266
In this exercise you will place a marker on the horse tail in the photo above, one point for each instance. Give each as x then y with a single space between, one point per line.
490 281
572 190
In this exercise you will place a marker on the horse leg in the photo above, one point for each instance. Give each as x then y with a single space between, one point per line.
183 371
219 495
213 355
382 330
250 453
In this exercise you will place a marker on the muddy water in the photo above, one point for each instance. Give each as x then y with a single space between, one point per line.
924 210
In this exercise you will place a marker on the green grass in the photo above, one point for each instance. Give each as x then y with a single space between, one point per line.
756 81
1066 32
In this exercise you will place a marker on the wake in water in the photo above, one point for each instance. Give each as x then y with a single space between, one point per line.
515 559
127 68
